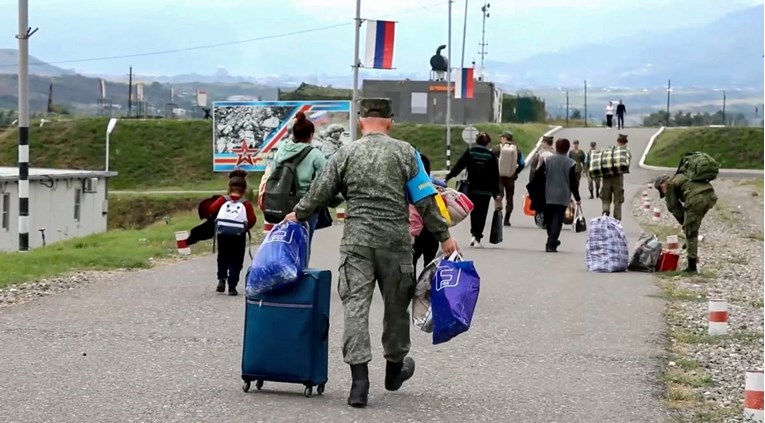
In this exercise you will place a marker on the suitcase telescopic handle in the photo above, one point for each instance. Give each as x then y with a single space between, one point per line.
326 330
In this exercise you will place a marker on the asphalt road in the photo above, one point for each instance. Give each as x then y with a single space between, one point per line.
550 342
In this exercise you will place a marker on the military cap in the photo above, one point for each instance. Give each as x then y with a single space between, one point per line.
576 142
622 137
593 144
375 107
547 139
506 134
657 184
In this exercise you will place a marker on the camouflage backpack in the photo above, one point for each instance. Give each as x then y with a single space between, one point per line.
699 167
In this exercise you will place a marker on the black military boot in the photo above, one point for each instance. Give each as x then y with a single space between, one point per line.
360 386
691 266
398 373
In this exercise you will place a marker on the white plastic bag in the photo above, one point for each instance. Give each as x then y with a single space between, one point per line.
422 313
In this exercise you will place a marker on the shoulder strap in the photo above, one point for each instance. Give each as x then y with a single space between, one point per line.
302 155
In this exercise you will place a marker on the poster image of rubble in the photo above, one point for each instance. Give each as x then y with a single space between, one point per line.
247 134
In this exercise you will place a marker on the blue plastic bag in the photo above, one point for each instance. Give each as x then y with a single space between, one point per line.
453 297
280 259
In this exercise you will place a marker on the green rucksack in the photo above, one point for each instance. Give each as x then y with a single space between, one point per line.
699 167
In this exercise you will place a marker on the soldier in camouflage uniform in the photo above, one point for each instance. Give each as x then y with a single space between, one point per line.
376 245
613 187
688 201
331 140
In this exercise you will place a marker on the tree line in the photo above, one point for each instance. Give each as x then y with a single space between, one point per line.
681 118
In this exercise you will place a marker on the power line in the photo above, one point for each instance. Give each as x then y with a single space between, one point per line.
216 45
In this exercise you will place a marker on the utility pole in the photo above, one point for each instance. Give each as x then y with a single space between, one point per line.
585 103
483 53
669 90
566 108
449 91
130 92
462 60
754 122
23 36
724 101
356 64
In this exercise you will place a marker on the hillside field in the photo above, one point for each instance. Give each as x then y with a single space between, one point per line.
733 148
178 154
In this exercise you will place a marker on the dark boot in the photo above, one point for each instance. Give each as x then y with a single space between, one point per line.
221 286
398 373
360 386
232 290
691 266
506 221
591 195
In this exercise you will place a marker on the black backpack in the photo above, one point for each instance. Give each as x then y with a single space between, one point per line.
280 195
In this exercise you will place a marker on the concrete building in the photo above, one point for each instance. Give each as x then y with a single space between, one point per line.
64 203
425 101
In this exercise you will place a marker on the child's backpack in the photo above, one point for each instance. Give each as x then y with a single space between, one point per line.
699 167
508 160
280 195
231 219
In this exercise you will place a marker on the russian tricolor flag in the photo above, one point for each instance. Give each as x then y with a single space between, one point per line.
463 83
380 36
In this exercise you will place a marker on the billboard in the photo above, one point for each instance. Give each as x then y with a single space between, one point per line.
246 134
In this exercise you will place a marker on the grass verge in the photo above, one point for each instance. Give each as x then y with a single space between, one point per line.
733 148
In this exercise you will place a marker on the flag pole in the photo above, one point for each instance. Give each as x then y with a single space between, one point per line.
355 97
449 92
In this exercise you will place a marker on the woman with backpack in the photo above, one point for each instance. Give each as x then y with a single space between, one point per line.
483 183
308 162
234 217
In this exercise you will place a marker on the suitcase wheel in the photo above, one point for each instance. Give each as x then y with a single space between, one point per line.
259 385
308 391
320 389
246 386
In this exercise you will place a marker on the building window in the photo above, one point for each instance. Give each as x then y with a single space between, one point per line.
77 203
6 217
419 103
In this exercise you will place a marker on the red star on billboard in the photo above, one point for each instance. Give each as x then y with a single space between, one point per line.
245 154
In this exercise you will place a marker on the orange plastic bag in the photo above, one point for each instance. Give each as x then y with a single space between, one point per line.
527 206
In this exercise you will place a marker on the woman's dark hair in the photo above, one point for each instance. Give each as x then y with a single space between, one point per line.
562 145
237 181
483 139
303 128
425 162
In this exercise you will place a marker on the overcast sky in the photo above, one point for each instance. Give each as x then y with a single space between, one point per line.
84 29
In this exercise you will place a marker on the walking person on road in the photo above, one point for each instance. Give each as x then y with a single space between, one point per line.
483 183
560 185
688 201
375 176
610 114
545 149
621 110
578 156
613 186
592 180
511 163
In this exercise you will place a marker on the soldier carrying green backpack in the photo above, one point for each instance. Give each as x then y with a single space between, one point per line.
689 197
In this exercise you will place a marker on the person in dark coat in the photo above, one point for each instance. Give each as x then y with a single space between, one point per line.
560 185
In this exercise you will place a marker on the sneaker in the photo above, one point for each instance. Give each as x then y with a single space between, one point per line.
478 244
232 292
472 242
221 286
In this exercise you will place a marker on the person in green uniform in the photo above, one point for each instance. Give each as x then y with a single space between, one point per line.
592 180
688 201
578 156
613 186
375 176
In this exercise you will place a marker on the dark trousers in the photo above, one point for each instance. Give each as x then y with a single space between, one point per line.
620 121
554 214
610 121
507 190
425 246
478 215
231 258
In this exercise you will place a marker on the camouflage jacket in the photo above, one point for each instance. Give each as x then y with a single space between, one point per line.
681 193
371 174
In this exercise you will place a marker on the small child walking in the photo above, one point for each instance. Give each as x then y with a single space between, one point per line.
235 216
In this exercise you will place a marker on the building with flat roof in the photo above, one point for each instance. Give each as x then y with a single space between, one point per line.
63 204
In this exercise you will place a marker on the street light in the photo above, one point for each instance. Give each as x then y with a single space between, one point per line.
109 129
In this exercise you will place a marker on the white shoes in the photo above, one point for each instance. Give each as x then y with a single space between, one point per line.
475 243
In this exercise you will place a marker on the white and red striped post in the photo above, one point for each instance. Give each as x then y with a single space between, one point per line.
267 227
180 242
645 194
656 214
718 316
340 214
673 243
753 396
647 205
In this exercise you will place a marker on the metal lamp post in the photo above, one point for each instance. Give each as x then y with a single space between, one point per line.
109 129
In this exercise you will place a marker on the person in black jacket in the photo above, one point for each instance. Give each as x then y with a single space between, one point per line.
483 183
621 110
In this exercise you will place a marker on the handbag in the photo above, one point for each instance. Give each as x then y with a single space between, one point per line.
324 218
580 223
453 297
495 236
569 215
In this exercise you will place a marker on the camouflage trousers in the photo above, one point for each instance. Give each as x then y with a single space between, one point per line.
613 191
695 210
392 270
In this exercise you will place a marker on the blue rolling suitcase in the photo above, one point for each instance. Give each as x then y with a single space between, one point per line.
286 334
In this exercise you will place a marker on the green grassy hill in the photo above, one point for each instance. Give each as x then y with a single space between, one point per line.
733 148
178 154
